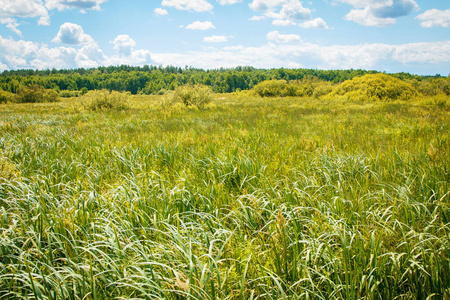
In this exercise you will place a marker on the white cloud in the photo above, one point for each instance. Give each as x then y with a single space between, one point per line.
197 25
72 34
193 5
22 54
216 39
228 2
290 11
434 55
365 17
11 24
435 18
378 13
37 9
265 5
294 10
74 4
283 23
413 57
257 18
160 11
24 9
124 44
283 38
316 23
136 58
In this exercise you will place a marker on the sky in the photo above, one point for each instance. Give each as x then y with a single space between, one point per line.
384 35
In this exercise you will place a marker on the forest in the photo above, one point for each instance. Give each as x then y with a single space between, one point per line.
153 80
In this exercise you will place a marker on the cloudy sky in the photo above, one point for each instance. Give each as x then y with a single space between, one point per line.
386 35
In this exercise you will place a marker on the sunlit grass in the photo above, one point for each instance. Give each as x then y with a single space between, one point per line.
247 198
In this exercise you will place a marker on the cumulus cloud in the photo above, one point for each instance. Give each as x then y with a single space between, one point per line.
216 39
72 34
23 54
11 24
193 5
160 11
74 4
10 9
265 5
24 9
316 23
124 44
275 36
394 58
435 18
290 11
378 13
433 56
294 10
228 2
197 25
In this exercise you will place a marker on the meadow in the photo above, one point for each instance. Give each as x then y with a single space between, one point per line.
247 198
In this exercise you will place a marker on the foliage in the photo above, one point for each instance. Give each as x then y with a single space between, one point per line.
294 88
6 97
152 79
105 100
192 95
271 88
251 199
34 93
375 87
70 94
432 87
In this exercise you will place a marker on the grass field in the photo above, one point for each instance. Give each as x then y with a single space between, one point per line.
249 198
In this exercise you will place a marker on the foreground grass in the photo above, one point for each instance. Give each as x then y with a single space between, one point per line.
247 199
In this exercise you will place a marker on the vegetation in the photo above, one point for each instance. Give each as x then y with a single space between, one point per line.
6 97
34 93
375 87
153 80
192 95
105 100
249 198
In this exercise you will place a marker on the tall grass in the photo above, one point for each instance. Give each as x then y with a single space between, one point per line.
248 198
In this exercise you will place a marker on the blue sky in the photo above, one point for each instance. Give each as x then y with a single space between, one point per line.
386 35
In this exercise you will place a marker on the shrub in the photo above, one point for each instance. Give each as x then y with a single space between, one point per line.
69 94
271 88
375 87
192 95
6 97
105 100
322 90
35 93
281 88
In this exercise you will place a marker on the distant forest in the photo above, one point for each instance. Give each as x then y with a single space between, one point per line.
152 79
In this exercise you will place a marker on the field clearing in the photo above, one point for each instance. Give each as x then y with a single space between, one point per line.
249 198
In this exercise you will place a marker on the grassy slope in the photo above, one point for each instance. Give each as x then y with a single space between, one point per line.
249 198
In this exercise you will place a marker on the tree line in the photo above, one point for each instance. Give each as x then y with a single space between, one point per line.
157 79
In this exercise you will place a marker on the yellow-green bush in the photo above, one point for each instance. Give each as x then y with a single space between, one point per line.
35 93
432 86
192 95
375 87
6 97
105 100
271 88
282 88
